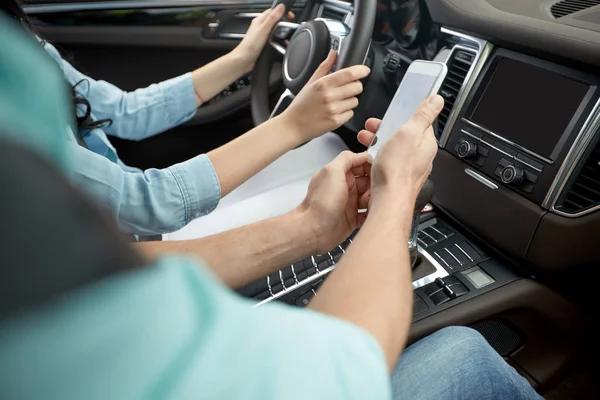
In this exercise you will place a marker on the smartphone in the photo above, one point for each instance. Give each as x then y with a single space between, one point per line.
422 79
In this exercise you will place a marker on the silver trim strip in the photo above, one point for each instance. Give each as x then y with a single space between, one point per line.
453 256
130 5
283 96
481 178
232 35
247 15
440 272
501 151
482 50
582 141
464 252
531 153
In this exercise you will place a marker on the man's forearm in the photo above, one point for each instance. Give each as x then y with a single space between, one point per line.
240 159
372 285
215 76
245 254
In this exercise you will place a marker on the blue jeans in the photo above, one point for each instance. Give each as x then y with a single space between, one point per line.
457 363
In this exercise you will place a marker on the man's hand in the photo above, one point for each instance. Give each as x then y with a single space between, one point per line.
335 195
326 102
365 136
257 35
405 160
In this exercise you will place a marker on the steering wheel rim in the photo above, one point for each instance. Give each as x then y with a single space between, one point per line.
353 52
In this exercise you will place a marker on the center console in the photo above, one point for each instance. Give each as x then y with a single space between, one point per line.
520 120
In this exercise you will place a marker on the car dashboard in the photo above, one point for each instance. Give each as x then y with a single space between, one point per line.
517 175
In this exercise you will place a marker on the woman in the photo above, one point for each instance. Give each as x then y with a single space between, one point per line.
157 201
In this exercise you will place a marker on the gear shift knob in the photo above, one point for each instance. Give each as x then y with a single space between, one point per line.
423 198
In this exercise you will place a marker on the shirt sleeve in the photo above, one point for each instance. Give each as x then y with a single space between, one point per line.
139 114
151 202
172 331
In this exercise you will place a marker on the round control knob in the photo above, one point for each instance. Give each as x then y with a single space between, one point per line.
466 149
512 174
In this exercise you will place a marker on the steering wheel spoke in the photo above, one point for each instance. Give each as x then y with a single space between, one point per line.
284 101
283 31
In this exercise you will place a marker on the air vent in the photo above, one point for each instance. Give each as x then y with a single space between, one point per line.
333 13
458 68
584 191
568 7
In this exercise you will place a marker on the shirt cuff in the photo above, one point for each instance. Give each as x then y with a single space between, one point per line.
199 186
180 98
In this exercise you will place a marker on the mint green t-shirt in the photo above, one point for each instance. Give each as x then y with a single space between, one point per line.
171 331
168 331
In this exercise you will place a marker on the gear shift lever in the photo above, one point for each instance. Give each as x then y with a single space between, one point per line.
423 198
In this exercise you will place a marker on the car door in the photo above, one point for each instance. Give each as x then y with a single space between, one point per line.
134 43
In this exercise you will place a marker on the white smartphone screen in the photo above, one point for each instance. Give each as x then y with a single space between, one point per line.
414 89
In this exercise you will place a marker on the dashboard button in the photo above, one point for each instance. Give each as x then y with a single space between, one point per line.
439 297
512 175
484 151
531 177
503 147
504 162
458 289
466 149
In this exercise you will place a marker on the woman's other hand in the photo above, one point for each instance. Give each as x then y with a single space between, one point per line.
257 35
327 101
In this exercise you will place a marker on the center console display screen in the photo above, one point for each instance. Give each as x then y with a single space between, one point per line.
528 105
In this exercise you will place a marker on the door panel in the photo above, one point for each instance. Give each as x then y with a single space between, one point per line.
132 45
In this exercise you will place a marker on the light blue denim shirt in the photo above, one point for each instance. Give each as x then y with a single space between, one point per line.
146 202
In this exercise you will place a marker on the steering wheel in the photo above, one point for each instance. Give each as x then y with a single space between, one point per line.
308 46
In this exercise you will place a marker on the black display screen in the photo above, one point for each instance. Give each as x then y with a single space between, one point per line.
528 105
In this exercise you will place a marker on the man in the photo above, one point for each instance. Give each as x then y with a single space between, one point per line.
166 328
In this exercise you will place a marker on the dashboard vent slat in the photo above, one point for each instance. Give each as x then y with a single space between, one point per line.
568 7
458 67
583 190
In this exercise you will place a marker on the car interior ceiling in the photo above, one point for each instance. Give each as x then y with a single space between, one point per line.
516 207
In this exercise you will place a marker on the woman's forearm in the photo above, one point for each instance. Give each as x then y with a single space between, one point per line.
215 76
242 158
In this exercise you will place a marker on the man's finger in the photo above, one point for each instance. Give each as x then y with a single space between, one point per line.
363 184
291 15
325 67
349 160
363 200
348 75
362 170
365 137
425 114
372 124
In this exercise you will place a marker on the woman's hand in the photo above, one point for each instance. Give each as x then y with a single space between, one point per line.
326 102
257 35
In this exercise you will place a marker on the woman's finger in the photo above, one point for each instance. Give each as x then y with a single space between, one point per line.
351 89
347 75
342 106
291 15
